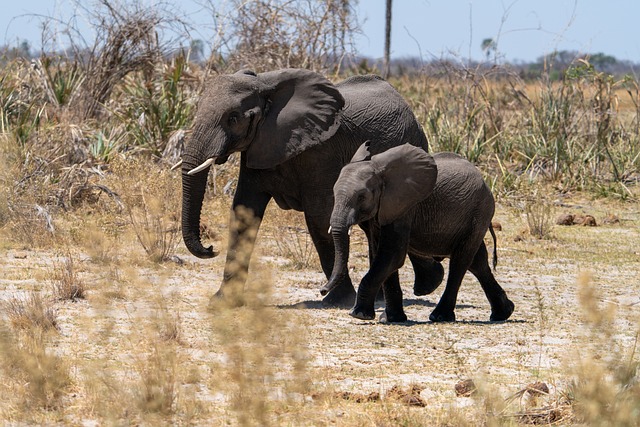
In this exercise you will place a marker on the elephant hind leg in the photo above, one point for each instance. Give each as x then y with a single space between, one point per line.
501 306
428 275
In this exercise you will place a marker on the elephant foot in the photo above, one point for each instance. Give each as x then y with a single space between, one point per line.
342 296
442 316
428 277
503 313
362 313
392 317
226 298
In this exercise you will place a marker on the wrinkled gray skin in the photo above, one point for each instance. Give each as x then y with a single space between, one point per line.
427 206
295 130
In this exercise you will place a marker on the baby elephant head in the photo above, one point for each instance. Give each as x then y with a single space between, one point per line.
384 187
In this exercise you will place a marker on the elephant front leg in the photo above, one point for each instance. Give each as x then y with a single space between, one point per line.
246 216
392 250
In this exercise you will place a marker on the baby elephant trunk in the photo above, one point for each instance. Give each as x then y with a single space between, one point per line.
340 236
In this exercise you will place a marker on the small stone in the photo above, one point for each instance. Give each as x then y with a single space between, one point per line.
496 225
565 219
589 221
465 388
410 397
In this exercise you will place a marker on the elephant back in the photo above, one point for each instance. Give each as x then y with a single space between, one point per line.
375 111
460 188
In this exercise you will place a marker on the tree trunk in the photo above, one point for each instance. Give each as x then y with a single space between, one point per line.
387 41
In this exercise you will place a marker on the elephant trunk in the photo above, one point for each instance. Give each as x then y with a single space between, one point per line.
340 235
193 189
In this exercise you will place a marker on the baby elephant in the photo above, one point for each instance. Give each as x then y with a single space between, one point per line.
429 207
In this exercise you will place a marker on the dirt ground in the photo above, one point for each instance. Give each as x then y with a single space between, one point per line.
545 340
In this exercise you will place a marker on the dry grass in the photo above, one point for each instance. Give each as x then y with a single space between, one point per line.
34 378
292 240
67 285
31 312
539 213
151 205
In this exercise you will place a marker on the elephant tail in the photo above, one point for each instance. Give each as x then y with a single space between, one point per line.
495 248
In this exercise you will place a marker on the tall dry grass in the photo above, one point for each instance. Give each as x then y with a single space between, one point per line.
578 133
151 205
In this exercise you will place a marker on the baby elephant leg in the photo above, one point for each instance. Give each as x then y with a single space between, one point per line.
392 250
393 311
501 305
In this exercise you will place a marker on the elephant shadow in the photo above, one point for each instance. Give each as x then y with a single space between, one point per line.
318 305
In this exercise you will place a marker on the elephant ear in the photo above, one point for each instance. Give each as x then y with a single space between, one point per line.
409 175
362 153
303 110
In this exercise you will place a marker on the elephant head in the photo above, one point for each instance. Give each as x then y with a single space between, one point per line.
383 187
272 117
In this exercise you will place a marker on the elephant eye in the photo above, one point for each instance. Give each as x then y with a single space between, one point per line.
233 119
363 202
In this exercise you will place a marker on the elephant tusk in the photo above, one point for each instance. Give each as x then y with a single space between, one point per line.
350 229
203 166
329 230
176 166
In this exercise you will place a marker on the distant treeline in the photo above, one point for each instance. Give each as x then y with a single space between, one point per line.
553 66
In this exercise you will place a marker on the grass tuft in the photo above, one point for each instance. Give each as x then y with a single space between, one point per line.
67 285
31 312
37 377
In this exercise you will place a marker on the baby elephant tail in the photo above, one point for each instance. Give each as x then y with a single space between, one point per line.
495 250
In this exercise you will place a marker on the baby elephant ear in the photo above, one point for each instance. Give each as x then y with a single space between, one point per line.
362 153
409 174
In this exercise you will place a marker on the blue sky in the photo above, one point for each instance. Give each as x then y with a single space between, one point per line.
523 29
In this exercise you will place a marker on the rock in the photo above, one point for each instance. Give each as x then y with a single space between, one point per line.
496 225
585 220
565 219
409 397
465 388
576 219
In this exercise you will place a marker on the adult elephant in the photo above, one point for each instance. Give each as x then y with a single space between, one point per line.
427 206
295 130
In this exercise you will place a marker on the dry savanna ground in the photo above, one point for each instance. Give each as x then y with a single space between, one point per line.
97 331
